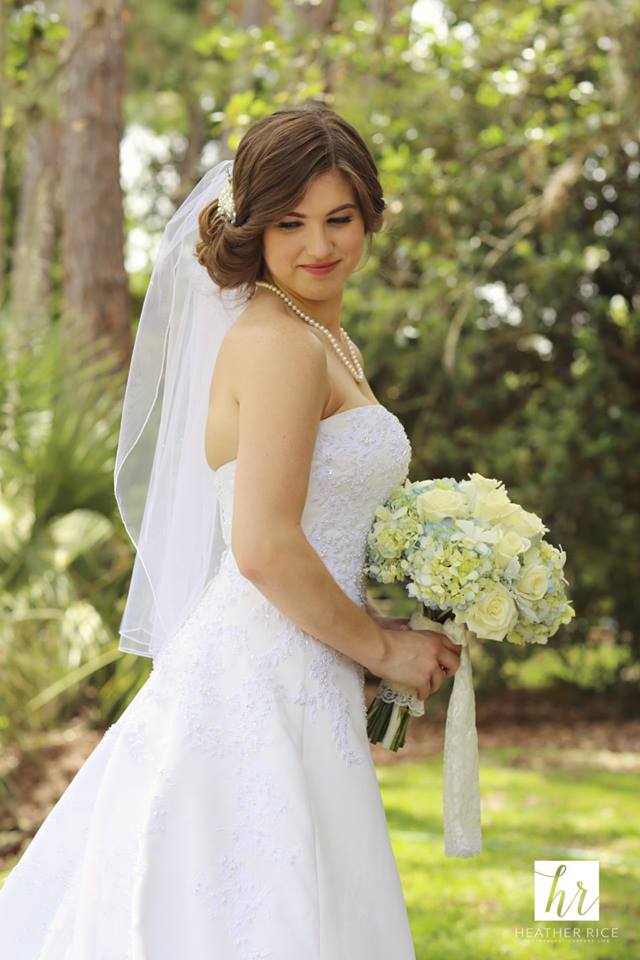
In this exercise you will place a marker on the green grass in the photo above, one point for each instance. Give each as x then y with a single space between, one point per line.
470 907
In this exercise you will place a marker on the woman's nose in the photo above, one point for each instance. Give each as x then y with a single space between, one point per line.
318 243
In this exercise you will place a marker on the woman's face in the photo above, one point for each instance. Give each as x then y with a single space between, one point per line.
316 232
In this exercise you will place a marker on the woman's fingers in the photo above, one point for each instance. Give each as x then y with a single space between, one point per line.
451 644
449 660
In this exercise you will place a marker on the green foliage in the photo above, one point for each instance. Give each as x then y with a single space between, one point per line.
590 668
35 36
64 557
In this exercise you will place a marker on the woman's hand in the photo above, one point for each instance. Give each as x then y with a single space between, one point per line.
421 659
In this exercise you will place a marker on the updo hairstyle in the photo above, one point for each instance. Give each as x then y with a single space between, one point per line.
272 168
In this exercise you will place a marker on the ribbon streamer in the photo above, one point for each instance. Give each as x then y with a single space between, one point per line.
461 782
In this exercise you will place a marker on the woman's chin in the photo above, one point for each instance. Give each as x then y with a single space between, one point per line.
307 287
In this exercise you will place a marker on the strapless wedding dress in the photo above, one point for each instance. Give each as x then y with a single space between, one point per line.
232 812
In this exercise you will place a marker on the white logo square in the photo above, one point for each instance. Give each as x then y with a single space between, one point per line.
566 889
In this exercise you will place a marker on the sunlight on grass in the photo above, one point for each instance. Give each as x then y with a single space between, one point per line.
462 907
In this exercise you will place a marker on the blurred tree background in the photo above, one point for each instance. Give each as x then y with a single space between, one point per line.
499 312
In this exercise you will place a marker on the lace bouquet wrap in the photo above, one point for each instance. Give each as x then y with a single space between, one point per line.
479 568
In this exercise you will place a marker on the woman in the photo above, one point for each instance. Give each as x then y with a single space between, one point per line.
233 809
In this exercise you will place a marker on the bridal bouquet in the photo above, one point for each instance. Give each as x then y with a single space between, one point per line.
478 567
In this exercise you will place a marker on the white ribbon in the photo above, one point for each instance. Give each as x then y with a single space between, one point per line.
461 783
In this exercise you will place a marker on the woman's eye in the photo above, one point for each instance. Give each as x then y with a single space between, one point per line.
286 225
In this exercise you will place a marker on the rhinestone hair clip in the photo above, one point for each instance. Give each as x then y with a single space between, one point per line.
226 204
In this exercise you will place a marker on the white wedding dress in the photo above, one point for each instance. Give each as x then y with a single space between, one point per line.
233 812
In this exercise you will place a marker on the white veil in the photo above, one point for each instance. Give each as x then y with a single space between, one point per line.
164 488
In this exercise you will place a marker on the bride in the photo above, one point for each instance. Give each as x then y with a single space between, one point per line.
233 810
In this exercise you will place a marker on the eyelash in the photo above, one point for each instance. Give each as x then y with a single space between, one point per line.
295 223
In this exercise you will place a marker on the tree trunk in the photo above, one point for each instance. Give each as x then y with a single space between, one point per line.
34 244
96 298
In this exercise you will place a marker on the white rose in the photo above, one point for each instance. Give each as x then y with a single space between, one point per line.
510 546
532 584
525 523
479 485
439 503
494 506
493 615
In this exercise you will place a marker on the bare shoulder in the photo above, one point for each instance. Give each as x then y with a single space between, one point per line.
266 333
271 318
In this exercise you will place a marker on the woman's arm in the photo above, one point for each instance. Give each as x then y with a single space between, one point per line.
295 579
280 368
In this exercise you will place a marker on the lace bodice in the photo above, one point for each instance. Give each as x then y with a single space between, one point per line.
360 455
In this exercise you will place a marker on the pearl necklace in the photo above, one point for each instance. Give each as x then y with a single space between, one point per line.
354 367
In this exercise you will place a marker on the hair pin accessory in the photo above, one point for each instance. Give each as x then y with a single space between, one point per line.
226 204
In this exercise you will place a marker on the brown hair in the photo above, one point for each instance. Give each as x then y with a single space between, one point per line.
272 168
